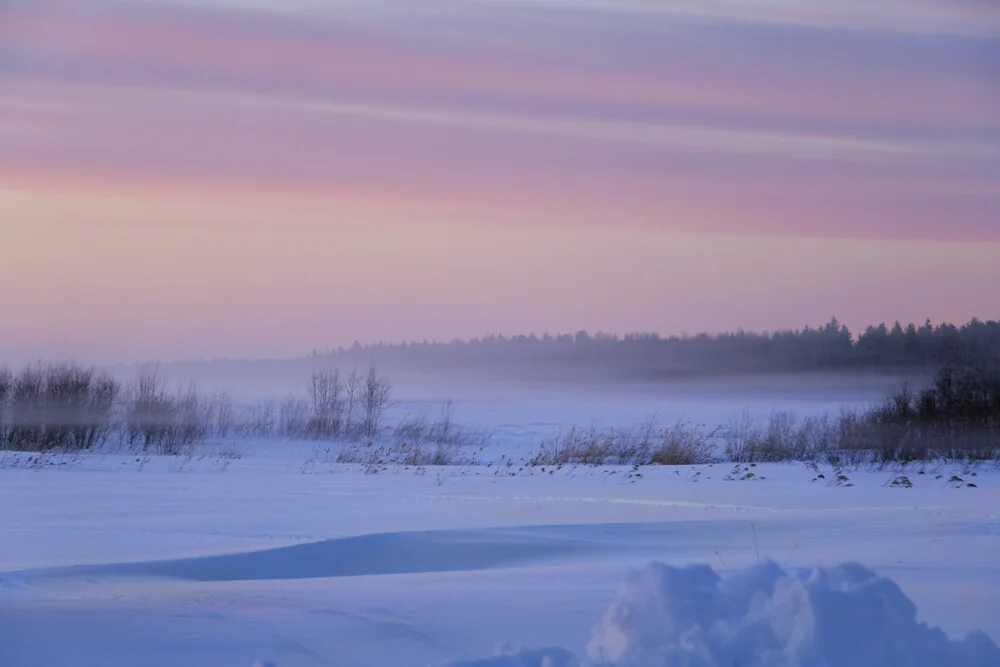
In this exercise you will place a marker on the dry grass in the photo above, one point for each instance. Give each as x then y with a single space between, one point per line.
649 444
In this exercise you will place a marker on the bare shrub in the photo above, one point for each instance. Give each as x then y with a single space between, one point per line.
416 429
438 455
326 397
969 445
444 431
149 411
869 442
6 384
635 445
352 400
221 411
818 436
104 396
681 444
27 410
743 437
336 407
584 446
375 394
162 421
259 420
293 418
6 388
193 417
412 428
56 406
376 458
956 418
785 438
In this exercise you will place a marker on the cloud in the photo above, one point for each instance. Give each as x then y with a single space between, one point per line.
612 63
524 110
965 17
564 170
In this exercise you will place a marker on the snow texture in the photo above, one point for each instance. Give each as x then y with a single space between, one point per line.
843 616
113 560
546 657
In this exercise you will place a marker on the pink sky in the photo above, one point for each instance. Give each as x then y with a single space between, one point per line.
185 180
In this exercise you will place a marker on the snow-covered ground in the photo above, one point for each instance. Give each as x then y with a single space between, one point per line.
107 564
282 556
516 419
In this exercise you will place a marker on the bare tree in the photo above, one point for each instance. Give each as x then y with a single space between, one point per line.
375 396
352 388
326 395
6 384
6 388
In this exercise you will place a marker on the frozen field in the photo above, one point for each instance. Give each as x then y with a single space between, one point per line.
516 418
106 565
287 557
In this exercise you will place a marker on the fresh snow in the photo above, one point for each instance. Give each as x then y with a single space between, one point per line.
271 553
763 616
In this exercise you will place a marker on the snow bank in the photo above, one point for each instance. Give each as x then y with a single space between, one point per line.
546 657
842 616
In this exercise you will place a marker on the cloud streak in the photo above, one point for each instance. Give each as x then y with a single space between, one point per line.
617 65
580 145
670 176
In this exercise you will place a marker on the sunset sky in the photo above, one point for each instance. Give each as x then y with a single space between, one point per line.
203 179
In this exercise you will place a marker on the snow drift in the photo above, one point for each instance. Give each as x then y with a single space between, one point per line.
844 616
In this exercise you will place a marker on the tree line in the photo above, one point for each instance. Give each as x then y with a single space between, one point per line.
831 346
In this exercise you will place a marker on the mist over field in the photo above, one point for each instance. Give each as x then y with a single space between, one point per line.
255 380
483 333
824 363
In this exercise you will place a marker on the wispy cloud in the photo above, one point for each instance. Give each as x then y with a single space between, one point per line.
839 118
169 171
961 17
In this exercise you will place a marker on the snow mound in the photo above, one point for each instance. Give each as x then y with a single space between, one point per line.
546 657
844 616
